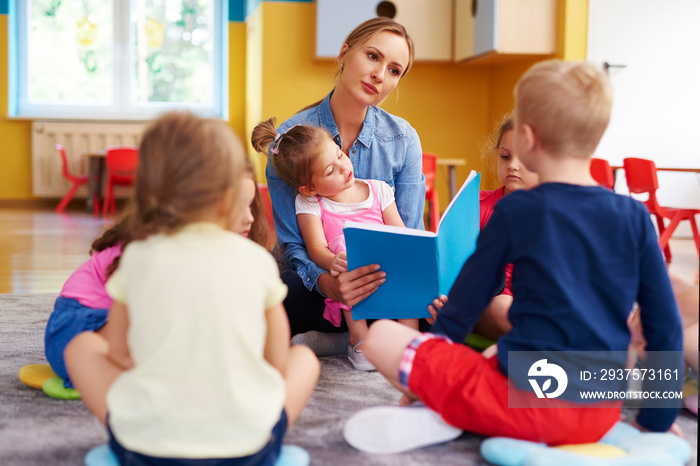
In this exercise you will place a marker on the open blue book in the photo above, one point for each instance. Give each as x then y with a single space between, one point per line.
419 265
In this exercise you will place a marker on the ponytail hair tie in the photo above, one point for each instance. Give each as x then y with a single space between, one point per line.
278 139
276 150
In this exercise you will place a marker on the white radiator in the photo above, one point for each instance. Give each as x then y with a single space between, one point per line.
78 138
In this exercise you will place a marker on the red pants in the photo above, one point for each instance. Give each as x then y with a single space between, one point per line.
471 393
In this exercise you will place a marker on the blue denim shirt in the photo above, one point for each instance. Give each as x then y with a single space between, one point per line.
387 149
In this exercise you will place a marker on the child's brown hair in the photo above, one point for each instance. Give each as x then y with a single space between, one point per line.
120 233
186 163
489 149
295 152
260 231
567 104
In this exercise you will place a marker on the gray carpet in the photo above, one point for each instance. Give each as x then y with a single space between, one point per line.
38 430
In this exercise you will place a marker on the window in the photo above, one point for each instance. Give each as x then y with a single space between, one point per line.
118 59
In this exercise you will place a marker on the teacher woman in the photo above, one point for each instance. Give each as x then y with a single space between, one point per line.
372 61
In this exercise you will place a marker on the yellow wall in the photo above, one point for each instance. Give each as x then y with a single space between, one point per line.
273 72
572 21
445 103
237 77
572 29
452 106
254 94
15 156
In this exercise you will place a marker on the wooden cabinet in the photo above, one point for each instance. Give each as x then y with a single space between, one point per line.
502 30
428 22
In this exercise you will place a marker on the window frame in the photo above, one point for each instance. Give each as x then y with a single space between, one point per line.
122 108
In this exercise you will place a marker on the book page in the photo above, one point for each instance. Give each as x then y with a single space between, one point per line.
409 258
471 176
388 228
457 233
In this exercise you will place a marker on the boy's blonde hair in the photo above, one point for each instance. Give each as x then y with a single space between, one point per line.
567 104
186 163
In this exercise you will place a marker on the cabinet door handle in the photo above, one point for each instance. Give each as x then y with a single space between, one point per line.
475 7
607 66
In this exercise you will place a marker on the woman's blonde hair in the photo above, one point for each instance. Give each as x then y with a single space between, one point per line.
295 153
186 163
567 104
363 33
369 29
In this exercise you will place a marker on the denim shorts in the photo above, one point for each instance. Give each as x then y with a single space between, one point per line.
68 319
267 456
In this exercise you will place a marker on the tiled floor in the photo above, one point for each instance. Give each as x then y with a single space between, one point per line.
684 258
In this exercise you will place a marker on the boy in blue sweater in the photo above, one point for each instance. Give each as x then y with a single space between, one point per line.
582 256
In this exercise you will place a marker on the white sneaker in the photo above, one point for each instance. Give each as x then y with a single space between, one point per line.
392 429
358 359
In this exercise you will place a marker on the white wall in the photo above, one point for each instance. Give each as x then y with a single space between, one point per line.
656 112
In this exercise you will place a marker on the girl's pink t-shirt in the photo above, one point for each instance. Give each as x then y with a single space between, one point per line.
87 283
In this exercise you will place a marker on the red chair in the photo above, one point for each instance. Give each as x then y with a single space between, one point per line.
77 180
602 172
268 203
121 163
431 194
641 178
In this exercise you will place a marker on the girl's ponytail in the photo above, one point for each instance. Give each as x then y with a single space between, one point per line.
263 134
295 153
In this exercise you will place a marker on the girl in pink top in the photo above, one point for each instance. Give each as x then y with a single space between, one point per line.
328 195
83 302
513 176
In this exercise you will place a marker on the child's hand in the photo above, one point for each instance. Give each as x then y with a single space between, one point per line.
435 307
339 264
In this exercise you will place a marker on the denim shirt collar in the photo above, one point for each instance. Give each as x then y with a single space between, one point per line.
326 119
387 149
